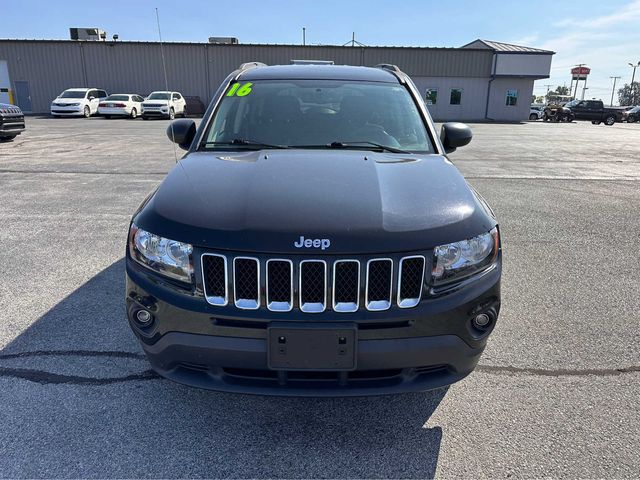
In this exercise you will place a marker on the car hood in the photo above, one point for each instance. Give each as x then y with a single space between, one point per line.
362 202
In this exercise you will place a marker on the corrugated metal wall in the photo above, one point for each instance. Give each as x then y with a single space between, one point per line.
196 69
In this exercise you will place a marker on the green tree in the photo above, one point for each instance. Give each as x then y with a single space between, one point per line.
560 90
629 94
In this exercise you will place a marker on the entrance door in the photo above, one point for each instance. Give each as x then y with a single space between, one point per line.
23 96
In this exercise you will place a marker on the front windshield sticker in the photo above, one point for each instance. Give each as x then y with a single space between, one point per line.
240 91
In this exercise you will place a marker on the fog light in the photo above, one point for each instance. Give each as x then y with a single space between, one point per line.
481 321
143 316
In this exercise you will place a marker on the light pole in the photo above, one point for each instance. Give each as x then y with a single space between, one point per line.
613 89
633 77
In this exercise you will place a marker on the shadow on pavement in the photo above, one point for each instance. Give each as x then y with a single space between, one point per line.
78 401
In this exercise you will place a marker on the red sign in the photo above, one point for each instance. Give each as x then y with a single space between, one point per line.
582 71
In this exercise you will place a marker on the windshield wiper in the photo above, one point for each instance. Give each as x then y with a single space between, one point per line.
241 142
384 148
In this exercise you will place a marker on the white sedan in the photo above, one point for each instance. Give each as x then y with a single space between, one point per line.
121 104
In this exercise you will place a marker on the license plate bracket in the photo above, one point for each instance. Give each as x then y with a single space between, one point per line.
319 347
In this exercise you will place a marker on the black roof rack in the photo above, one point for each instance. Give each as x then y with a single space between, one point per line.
389 66
247 65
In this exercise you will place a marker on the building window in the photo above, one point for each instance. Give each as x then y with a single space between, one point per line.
512 98
432 96
456 96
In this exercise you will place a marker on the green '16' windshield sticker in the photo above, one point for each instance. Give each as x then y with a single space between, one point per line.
240 90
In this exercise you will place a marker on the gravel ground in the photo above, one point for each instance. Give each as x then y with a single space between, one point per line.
556 394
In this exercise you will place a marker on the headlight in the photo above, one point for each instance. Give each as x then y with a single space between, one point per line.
73 104
461 259
167 257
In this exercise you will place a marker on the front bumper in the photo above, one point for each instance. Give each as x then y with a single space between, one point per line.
399 350
155 112
11 125
58 110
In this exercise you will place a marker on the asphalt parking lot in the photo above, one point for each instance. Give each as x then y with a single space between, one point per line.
556 394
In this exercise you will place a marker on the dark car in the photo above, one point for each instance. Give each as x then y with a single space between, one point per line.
593 110
633 115
11 121
314 240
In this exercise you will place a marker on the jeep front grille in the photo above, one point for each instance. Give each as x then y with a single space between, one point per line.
313 285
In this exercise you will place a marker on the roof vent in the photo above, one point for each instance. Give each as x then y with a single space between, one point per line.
224 40
90 34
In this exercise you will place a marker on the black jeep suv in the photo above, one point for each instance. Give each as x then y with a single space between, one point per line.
11 121
315 240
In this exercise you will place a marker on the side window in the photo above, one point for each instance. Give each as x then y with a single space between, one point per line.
91 93
512 98
175 96
455 97
431 97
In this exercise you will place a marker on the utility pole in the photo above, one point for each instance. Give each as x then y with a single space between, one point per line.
304 36
548 88
613 90
633 77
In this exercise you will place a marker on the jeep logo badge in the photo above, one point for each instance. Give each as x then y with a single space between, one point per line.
320 243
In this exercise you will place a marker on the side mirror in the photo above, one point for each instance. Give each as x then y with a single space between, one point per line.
454 135
92 98
182 132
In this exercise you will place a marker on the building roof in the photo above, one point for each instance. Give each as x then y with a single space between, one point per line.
505 47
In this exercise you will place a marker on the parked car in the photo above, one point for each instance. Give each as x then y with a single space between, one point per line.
121 104
78 101
593 110
536 112
11 121
633 115
164 104
314 240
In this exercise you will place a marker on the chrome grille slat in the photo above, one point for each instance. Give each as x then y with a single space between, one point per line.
279 285
246 283
346 285
379 284
410 280
313 286
214 272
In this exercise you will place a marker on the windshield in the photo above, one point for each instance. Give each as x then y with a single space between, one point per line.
158 96
572 103
121 98
72 94
316 114
635 110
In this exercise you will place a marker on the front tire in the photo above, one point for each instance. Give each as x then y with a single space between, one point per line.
134 113
533 116
631 120
184 112
86 113
172 114
610 120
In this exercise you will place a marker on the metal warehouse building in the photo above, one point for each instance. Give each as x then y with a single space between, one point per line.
482 80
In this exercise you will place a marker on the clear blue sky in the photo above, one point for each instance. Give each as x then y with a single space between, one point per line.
603 34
